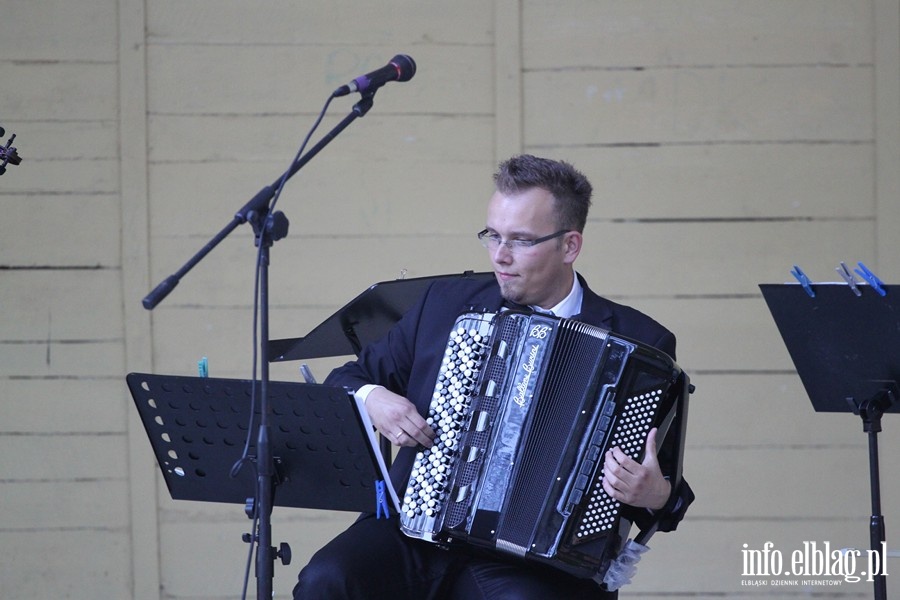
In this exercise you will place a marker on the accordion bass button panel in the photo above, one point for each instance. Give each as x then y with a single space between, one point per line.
428 488
601 510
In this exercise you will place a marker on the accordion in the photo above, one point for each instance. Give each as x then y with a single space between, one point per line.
524 407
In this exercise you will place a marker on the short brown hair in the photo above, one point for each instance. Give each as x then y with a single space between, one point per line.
570 188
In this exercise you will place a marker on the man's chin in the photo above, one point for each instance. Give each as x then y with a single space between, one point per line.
511 293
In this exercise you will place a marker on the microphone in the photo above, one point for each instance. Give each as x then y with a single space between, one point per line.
401 68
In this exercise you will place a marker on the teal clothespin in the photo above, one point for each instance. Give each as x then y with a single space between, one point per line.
203 367
381 505
804 281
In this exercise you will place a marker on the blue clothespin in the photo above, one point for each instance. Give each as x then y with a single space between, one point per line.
203 367
871 279
847 276
804 281
381 505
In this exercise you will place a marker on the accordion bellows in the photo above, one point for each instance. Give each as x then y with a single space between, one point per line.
524 407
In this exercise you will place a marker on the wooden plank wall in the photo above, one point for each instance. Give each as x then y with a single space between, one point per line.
726 140
65 524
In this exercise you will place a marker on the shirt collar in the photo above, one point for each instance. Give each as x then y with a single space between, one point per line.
571 304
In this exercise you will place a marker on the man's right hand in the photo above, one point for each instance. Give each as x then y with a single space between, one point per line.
397 419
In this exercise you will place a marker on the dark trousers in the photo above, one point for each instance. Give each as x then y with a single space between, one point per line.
372 559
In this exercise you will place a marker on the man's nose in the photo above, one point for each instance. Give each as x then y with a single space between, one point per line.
502 254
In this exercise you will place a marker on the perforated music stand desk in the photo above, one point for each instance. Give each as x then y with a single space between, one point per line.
198 427
362 320
847 352
846 348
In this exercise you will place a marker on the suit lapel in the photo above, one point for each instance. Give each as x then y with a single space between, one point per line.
594 309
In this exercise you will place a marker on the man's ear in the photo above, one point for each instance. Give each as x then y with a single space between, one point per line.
572 246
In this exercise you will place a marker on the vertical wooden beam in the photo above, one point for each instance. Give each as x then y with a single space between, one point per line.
887 137
145 560
508 93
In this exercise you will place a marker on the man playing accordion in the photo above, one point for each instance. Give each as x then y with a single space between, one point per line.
533 235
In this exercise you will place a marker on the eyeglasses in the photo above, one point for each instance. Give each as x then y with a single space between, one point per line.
492 241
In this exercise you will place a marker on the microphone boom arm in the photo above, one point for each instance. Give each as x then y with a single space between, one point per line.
258 204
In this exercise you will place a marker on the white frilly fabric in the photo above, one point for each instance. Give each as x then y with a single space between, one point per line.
624 566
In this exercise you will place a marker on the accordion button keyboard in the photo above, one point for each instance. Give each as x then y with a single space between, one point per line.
453 392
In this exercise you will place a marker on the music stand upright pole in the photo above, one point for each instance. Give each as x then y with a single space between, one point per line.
871 412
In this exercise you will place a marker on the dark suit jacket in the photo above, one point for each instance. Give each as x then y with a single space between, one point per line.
406 361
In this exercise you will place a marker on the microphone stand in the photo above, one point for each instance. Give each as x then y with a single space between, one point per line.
269 227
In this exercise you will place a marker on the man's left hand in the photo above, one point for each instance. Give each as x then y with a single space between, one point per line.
636 484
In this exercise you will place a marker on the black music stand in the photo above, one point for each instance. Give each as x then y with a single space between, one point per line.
846 348
362 320
198 426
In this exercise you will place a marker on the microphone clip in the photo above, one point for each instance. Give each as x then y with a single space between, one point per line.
8 154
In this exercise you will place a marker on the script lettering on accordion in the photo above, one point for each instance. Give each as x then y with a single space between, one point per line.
522 388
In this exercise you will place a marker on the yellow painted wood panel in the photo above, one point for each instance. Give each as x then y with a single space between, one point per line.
87 359
645 33
718 258
47 141
42 457
44 179
731 411
66 564
56 235
333 197
64 158
56 305
99 505
201 79
58 30
721 334
64 405
271 141
698 105
57 90
404 23
887 153
732 476
727 181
